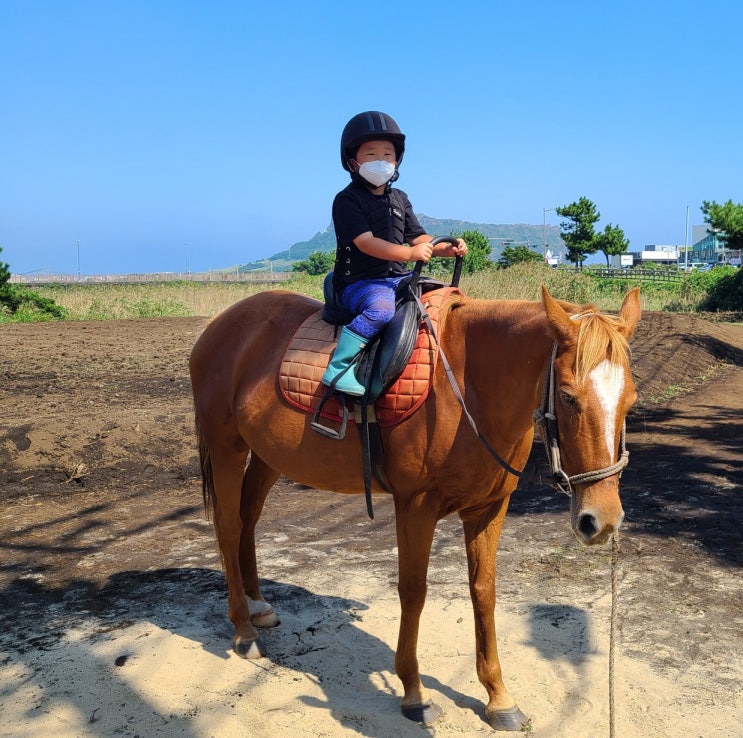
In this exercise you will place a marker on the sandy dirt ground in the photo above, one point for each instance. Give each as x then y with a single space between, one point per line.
113 605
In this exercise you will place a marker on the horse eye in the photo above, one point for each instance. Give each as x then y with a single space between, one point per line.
568 397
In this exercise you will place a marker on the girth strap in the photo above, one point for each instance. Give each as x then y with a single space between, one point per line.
372 451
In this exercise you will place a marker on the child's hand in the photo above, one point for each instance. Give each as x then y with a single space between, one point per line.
448 249
460 249
421 252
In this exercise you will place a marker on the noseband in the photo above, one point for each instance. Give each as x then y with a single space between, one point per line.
546 421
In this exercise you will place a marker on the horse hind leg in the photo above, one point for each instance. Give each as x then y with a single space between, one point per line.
257 482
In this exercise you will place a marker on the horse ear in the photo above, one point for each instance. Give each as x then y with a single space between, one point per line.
630 312
562 326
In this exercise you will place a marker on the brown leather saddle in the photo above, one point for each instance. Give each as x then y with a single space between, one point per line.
310 348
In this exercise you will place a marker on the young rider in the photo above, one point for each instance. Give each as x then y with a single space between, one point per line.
376 233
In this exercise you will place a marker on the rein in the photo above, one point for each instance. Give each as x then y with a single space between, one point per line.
458 394
544 418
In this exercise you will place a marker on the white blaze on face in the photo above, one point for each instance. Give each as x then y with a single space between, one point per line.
608 383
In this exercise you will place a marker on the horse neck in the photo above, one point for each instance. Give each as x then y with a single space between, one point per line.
507 347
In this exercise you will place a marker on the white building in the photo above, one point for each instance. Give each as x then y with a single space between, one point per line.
667 255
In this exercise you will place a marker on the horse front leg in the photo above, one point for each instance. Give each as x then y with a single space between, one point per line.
228 468
481 533
415 529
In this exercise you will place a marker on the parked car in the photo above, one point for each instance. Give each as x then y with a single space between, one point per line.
692 266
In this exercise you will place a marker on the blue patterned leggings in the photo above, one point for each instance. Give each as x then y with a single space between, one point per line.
373 303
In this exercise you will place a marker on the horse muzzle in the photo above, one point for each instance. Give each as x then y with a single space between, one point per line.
596 512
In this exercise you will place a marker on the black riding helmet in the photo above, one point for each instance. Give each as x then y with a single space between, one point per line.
370 126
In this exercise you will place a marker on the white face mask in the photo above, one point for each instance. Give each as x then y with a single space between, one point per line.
377 172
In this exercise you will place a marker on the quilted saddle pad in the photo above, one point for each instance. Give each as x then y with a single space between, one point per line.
309 351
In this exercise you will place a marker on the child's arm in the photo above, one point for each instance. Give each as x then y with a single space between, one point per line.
419 250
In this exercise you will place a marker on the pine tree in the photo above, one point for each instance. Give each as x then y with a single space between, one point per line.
4 272
14 297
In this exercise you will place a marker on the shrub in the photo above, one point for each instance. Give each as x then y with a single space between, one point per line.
724 290
21 304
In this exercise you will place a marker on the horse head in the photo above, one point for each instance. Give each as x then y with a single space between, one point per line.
590 390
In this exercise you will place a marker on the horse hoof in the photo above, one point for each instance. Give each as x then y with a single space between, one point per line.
268 619
249 649
511 718
262 615
427 713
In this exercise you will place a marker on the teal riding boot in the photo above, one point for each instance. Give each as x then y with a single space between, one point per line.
340 373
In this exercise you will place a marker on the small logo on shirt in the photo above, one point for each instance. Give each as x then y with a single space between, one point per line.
397 212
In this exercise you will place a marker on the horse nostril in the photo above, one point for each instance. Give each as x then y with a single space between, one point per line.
588 526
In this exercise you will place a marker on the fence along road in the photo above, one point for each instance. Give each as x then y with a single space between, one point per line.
647 275
42 280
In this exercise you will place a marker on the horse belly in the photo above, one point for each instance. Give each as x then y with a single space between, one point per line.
282 437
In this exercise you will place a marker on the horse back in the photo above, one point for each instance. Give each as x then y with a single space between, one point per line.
249 336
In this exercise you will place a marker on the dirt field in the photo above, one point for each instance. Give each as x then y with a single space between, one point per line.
112 604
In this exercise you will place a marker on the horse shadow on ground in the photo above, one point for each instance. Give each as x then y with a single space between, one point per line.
316 630
563 636
561 633
689 490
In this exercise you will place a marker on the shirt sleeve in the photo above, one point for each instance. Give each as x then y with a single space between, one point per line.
413 228
348 219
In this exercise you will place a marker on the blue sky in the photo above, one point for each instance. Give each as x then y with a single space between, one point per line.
163 134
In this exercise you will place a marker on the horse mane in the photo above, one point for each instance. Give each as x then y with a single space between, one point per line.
599 337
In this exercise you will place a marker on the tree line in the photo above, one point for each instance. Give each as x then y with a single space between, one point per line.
477 258
577 230
581 238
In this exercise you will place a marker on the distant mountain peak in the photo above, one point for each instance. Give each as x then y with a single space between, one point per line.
498 235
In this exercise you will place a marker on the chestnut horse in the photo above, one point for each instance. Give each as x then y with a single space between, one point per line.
503 355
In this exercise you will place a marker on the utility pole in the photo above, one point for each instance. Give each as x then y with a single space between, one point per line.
544 231
686 241
78 261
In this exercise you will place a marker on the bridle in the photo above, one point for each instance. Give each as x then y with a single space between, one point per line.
546 421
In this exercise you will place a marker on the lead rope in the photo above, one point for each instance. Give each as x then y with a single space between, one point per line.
613 629
545 417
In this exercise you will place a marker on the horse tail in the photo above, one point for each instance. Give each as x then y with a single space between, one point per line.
207 474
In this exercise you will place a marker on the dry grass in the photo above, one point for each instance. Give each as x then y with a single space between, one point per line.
174 299
167 299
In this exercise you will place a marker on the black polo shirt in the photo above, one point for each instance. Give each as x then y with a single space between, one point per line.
389 216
